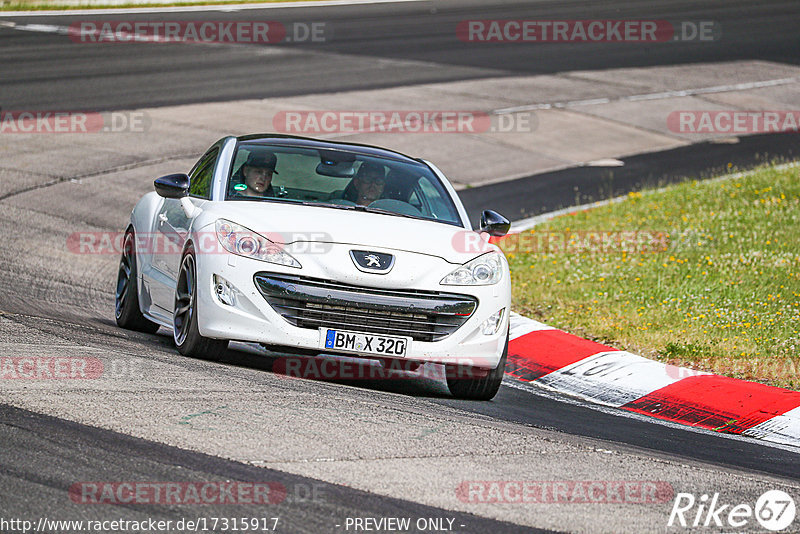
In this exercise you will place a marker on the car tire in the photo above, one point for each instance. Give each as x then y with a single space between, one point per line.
126 301
185 332
479 388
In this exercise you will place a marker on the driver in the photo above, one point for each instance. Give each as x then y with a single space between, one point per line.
368 184
256 175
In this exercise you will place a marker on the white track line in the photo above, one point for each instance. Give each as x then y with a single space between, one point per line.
652 96
185 9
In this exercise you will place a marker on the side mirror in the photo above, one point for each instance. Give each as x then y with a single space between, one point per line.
494 224
172 186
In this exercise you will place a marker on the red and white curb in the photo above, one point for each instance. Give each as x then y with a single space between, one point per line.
571 365
591 371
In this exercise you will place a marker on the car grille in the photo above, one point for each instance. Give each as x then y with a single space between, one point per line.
313 303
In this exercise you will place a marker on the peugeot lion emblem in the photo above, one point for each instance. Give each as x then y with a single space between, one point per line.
372 262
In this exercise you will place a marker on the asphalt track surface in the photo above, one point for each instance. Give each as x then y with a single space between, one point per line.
304 505
368 46
42 456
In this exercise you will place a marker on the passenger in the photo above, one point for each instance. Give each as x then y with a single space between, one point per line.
398 185
367 185
254 178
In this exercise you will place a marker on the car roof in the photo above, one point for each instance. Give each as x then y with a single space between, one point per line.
308 142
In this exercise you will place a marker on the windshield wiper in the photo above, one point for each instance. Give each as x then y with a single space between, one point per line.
326 205
388 212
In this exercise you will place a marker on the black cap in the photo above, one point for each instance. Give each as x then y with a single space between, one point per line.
371 169
262 159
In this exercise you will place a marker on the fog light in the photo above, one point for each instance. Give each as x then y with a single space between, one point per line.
491 325
224 291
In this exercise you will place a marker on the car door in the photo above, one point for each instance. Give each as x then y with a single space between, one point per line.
171 227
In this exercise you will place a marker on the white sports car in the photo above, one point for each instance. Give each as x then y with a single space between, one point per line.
321 247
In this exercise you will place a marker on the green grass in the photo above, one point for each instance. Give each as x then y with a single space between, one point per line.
712 283
50 5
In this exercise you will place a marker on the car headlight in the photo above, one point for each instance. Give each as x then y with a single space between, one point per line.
241 241
482 271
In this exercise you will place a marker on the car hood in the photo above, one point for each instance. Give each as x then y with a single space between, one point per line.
290 223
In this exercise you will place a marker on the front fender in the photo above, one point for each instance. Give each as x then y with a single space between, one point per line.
142 217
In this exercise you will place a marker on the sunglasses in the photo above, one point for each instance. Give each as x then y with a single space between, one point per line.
379 180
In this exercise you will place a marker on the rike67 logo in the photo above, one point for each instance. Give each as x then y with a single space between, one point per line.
774 510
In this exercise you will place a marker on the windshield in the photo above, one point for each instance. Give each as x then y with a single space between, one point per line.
338 179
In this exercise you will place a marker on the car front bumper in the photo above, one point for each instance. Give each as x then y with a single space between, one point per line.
252 318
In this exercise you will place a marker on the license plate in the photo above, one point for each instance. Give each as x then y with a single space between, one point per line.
364 343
